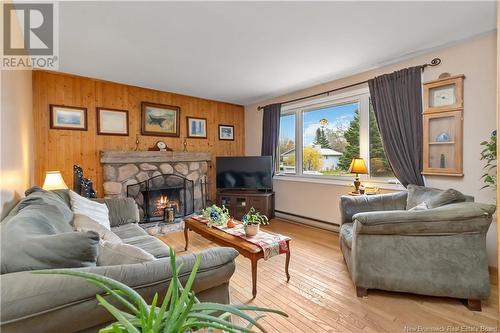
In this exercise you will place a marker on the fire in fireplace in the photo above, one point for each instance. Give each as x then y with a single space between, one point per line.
155 195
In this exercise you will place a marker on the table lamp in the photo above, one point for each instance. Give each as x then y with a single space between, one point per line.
357 166
54 181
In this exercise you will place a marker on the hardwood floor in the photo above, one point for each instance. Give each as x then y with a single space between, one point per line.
320 296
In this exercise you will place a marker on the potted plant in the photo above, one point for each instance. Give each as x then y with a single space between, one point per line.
216 215
179 312
489 154
252 221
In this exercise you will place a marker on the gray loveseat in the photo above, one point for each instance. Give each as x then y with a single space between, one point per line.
439 251
44 303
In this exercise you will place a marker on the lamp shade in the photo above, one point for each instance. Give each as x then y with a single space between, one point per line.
358 166
54 181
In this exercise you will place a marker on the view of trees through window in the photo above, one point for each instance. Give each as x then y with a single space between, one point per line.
287 143
379 166
330 140
326 137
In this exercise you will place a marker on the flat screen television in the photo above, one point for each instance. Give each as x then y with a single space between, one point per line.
244 173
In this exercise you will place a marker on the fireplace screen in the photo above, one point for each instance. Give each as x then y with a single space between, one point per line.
156 194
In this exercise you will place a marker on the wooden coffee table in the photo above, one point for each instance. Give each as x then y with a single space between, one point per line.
245 248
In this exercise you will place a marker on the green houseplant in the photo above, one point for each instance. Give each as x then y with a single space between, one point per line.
252 221
216 215
489 154
179 312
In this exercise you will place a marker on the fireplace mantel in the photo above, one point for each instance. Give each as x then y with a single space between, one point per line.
123 157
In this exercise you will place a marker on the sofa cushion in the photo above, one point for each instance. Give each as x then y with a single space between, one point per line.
135 235
150 244
37 234
96 211
431 196
121 210
346 234
129 230
84 223
111 253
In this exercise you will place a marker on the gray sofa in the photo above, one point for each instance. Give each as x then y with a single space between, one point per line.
45 303
439 251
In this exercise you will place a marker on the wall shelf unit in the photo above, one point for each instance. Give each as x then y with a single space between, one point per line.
443 127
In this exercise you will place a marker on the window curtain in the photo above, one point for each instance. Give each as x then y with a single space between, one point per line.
397 103
271 131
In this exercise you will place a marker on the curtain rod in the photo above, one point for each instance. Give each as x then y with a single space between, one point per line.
434 62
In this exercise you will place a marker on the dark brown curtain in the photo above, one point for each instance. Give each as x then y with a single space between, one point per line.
271 131
397 103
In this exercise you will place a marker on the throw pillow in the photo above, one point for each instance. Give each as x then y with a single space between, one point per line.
96 211
418 194
121 210
121 254
445 197
421 206
84 223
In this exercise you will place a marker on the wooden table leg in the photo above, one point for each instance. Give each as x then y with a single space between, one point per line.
254 276
186 237
287 263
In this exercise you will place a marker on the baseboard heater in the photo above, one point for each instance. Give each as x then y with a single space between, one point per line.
308 220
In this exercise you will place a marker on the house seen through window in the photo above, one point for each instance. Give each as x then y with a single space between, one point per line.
329 137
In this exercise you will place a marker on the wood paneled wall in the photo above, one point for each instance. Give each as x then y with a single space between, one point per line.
60 149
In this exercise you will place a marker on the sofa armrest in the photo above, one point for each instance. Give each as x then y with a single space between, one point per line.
351 205
464 217
24 294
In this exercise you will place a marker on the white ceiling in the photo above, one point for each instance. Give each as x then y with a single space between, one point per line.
244 52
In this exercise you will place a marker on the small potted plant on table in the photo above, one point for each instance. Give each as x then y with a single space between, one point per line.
216 215
252 221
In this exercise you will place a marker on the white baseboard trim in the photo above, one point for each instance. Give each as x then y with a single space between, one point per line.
308 221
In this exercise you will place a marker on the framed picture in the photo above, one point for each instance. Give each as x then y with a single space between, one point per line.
112 122
160 119
68 117
226 132
197 127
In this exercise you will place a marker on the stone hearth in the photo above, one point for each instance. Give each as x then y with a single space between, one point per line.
123 168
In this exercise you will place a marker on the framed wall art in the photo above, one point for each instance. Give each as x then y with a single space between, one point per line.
160 119
68 117
112 122
226 132
197 127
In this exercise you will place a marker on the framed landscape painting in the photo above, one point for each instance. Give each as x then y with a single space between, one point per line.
226 132
112 122
159 119
197 128
68 117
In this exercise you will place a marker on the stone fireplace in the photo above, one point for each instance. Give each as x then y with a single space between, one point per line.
155 195
144 175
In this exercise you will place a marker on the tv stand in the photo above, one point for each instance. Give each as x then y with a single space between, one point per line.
239 202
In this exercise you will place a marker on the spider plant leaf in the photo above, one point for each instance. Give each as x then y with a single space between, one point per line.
228 324
161 313
152 312
196 325
250 325
112 284
116 295
117 314
231 308
183 314
185 293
